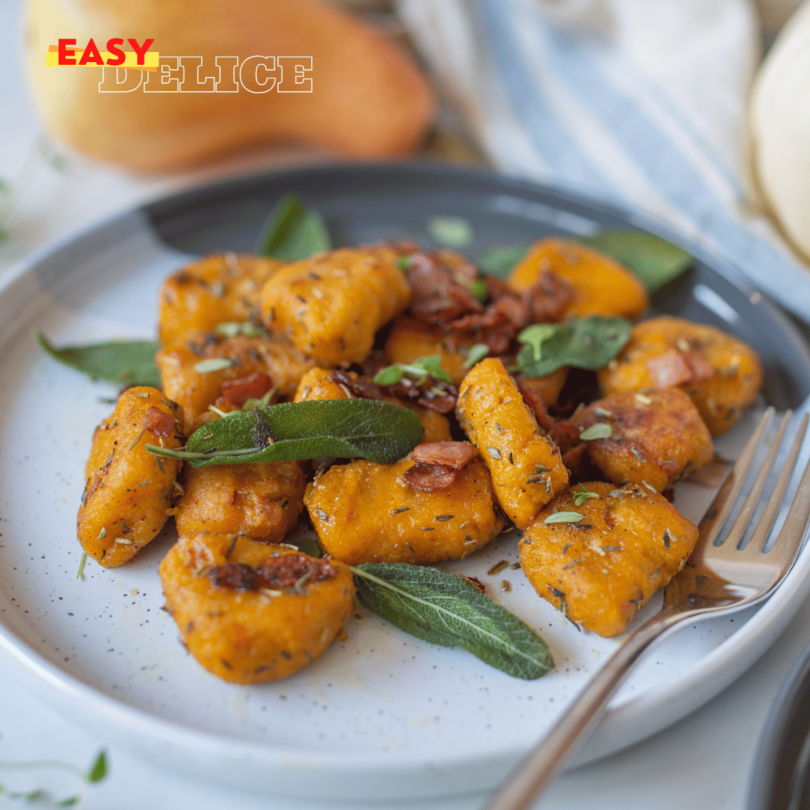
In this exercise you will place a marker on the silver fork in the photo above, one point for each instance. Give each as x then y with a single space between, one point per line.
719 578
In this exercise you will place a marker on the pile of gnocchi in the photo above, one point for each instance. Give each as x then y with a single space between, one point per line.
581 462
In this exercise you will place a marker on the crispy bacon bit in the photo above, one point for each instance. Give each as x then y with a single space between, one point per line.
359 387
549 296
430 477
444 403
437 295
236 576
254 386
535 402
159 422
277 574
574 458
286 570
675 367
455 455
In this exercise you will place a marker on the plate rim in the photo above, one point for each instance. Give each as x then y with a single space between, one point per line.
630 714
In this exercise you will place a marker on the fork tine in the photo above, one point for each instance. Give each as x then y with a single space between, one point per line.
736 532
795 525
721 505
775 501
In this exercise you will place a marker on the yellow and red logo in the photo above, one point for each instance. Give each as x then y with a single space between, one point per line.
139 58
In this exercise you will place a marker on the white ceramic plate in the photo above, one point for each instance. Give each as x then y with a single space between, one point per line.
381 714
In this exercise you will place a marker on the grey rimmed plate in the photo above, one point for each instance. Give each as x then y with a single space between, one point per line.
381 714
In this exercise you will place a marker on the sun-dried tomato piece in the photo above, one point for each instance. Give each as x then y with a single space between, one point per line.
254 386
159 422
456 455
430 477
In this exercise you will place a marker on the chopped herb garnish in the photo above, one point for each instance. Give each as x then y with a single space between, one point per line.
475 354
600 430
583 494
418 370
212 364
564 517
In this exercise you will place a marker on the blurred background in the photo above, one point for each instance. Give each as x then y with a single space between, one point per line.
695 112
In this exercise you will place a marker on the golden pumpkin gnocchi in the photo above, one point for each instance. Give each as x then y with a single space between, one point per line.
616 548
128 492
251 612
526 466
720 373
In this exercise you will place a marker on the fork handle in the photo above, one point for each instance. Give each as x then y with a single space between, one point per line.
522 786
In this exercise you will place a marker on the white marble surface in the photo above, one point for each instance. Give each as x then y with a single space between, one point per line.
702 762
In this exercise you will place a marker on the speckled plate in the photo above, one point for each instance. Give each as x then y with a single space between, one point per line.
381 714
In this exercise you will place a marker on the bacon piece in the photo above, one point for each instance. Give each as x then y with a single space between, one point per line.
535 402
236 576
443 404
254 386
286 570
549 296
437 296
675 367
455 455
159 422
430 477
357 386
277 573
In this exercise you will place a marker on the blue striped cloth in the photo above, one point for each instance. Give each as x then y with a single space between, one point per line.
639 102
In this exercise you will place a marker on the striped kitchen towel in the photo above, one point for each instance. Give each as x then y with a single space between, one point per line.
642 102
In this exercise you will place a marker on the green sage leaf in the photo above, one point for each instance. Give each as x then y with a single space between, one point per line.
341 428
589 343
445 609
600 430
70 801
124 362
98 770
293 232
564 517
500 261
451 232
653 259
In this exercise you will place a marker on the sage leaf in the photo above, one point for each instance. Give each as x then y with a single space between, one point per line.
601 430
293 232
589 343
500 261
451 232
124 362
98 770
653 259
564 517
445 609
340 428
